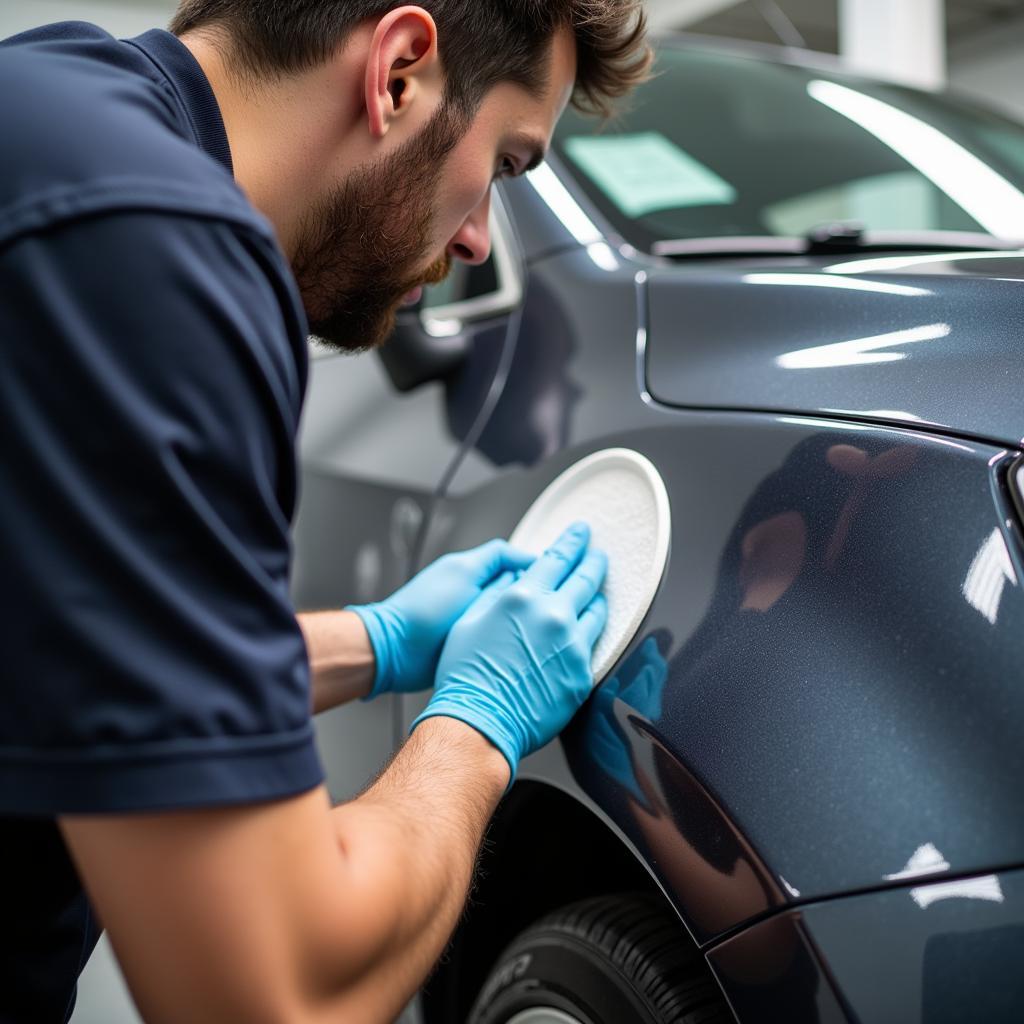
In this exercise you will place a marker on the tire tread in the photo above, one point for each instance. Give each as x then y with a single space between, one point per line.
642 940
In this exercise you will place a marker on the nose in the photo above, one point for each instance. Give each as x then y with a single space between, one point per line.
472 242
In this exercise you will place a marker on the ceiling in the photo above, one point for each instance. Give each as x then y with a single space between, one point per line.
817 20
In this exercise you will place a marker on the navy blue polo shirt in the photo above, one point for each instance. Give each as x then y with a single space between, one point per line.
152 370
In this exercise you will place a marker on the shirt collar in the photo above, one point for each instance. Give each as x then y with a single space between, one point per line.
192 89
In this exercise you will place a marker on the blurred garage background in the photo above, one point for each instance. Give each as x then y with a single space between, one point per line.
974 47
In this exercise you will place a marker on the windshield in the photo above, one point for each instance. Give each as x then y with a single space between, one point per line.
718 145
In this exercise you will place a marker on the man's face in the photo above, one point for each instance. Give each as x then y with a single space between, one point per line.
362 249
370 245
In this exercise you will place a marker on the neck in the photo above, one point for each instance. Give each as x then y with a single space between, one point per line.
286 134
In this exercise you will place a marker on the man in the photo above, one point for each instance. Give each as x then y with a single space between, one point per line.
155 738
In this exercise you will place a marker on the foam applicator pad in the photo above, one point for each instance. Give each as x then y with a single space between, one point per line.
623 498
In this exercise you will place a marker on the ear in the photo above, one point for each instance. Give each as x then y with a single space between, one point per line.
402 68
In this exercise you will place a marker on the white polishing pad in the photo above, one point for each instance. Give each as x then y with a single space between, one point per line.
623 498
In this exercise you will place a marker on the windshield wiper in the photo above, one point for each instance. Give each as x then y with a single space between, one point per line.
832 239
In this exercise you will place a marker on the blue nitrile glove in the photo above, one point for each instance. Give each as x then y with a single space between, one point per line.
408 630
516 666
640 684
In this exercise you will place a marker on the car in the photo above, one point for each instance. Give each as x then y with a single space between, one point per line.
800 797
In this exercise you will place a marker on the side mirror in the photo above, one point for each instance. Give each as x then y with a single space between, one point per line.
413 356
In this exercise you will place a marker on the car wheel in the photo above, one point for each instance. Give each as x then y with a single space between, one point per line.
612 960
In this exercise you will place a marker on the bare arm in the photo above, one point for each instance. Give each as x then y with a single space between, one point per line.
294 911
340 657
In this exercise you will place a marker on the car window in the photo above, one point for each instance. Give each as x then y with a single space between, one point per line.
721 145
902 199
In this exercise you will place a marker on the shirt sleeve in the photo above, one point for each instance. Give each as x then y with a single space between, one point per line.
150 391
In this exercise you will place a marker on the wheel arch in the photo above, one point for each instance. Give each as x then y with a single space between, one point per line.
521 878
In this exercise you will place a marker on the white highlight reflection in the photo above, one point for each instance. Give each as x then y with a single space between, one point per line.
985 888
795 893
881 264
603 256
925 860
988 575
889 414
845 284
563 206
861 351
442 328
974 186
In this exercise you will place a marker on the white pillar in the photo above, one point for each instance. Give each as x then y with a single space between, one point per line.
670 14
904 40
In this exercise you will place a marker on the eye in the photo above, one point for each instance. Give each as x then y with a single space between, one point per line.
506 168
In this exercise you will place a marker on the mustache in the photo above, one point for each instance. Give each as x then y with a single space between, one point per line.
438 271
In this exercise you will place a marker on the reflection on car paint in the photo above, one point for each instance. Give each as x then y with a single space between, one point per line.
988 575
925 860
560 201
861 351
700 858
772 973
986 887
839 284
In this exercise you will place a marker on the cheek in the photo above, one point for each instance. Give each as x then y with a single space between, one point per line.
462 190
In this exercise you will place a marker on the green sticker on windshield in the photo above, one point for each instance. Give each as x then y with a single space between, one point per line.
645 172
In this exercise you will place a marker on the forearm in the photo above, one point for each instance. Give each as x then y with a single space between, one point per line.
410 845
293 910
340 658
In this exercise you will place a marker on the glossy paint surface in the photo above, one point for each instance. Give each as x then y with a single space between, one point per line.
899 340
773 972
945 952
841 683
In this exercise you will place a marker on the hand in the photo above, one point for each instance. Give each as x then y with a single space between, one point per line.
639 684
408 630
516 666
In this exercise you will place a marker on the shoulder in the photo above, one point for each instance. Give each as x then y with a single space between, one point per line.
174 306
78 91
96 127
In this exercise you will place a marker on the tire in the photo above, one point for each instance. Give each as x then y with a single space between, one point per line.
612 960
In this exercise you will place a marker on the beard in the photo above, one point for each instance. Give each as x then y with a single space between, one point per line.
361 249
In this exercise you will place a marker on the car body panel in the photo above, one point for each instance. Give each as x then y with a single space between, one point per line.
944 952
826 716
917 346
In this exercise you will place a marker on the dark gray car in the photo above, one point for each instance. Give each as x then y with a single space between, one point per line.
801 795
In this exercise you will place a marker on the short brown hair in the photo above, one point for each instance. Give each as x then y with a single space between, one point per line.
482 42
